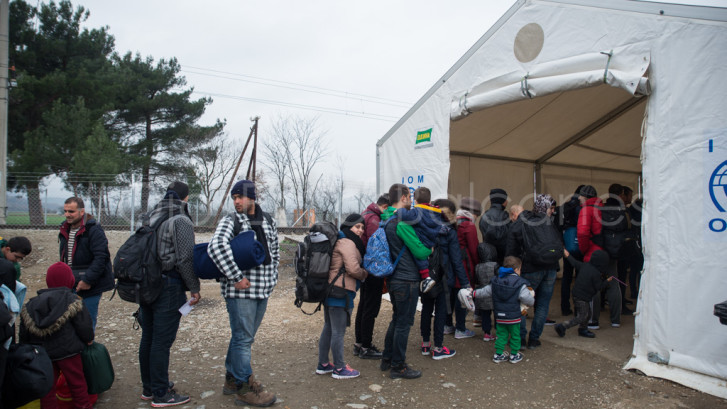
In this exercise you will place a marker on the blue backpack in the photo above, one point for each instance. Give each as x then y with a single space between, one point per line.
377 260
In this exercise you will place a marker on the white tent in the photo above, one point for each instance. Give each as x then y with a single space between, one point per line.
565 92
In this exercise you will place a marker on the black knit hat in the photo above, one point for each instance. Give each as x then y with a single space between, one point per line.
498 196
244 188
588 191
352 220
180 188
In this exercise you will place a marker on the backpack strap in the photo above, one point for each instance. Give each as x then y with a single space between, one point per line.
328 291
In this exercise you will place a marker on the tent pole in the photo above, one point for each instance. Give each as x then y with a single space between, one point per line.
537 179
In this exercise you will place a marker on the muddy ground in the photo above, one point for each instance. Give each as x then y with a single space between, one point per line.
570 372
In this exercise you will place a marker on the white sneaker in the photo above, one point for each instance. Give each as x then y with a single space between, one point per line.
426 285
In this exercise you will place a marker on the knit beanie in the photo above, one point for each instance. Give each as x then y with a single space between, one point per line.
352 220
245 188
59 275
588 191
179 188
471 204
498 196
542 203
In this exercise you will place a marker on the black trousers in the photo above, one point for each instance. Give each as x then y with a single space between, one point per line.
368 310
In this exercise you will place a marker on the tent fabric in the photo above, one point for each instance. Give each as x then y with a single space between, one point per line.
672 144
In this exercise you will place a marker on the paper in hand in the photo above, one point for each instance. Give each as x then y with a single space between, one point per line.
186 308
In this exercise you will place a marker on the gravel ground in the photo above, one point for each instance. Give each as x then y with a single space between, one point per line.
569 372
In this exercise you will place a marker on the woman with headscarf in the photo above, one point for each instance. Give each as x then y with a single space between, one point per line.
347 255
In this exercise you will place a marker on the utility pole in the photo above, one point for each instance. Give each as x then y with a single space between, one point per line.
4 84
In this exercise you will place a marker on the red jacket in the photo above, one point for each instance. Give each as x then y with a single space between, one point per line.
372 218
467 236
589 225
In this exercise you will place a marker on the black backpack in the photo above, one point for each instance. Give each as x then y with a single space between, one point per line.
542 243
312 263
137 268
614 231
28 375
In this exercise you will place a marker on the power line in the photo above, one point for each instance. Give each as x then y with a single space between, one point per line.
329 90
367 115
344 95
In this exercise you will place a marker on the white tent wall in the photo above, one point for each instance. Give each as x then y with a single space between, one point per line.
685 142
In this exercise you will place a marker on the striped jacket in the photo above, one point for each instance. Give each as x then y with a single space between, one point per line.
263 278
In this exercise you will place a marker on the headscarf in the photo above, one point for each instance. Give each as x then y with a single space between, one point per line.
352 220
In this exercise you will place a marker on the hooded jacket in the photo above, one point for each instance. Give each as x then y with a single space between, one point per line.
485 272
372 218
589 280
589 225
494 225
426 220
57 320
175 242
452 257
90 255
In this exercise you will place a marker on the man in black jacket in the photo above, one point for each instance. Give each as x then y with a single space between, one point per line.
495 223
84 247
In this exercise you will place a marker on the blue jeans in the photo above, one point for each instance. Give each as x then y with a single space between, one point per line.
159 324
91 304
543 283
245 317
404 296
438 305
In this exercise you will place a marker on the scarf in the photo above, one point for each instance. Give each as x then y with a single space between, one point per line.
505 271
256 223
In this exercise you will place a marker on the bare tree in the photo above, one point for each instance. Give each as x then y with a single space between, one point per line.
326 199
305 148
276 159
363 197
213 164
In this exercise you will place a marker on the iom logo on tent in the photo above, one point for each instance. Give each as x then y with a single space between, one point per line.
718 194
424 139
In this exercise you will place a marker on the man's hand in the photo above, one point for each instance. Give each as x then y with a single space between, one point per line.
243 284
195 298
566 252
82 285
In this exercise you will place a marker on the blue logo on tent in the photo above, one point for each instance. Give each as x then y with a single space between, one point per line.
718 187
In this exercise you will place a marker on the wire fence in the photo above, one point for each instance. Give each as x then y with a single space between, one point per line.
115 205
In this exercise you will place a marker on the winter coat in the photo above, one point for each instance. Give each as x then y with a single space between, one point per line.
467 235
90 256
507 293
372 218
589 279
175 241
57 320
452 257
426 220
494 225
516 241
346 254
399 235
589 225
484 273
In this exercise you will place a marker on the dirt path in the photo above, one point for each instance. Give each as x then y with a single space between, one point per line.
569 372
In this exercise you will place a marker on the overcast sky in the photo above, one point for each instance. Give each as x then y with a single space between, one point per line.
376 57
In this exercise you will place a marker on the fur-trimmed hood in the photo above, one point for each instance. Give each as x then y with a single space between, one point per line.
47 313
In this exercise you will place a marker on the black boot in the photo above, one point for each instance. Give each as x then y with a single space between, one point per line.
586 333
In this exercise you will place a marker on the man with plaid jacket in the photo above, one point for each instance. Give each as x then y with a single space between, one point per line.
246 292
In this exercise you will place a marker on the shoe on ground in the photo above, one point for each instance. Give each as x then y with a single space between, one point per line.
345 373
426 285
147 394
488 338
586 333
467 333
560 329
171 398
356 349
426 348
448 329
533 343
626 310
615 325
443 353
548 321
593 325
515 358
404 372
370 353
500 358
385 364
253 393
230 387
323 369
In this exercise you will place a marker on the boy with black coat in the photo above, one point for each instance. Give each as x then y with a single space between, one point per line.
58 321
588 282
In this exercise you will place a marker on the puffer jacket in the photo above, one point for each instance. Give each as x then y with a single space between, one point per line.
589 225
372 218
56 320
